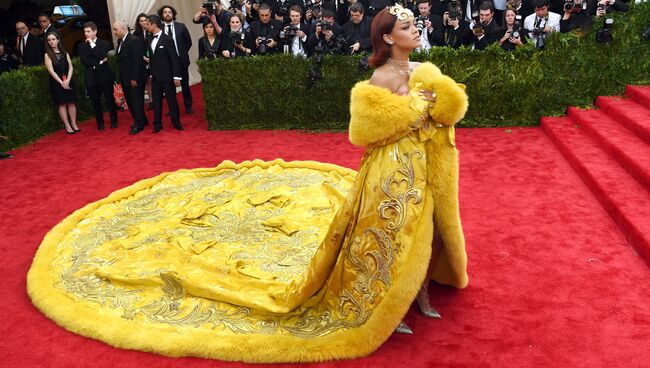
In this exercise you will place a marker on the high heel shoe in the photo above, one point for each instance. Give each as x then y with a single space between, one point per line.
72 132
403 328
76 130
423 303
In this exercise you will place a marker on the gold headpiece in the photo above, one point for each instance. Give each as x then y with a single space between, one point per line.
400 12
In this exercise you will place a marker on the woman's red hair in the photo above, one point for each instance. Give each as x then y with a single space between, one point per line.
382 24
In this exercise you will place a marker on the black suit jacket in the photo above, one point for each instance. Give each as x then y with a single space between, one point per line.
34 51
164 63
130 59
274 28
96 73
492 34
364 33
183 40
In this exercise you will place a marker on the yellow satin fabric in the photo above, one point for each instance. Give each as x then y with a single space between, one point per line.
258 261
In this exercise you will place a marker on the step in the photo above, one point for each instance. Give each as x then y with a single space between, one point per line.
622 197
632 153
628 112
640 94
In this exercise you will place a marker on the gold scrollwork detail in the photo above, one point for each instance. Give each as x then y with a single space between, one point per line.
396 205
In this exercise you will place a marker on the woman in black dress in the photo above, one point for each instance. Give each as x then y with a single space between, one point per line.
59 65
209 44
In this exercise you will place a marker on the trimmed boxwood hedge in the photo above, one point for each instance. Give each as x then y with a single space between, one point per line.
505 88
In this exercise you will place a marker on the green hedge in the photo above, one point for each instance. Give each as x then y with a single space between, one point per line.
504 88
27 111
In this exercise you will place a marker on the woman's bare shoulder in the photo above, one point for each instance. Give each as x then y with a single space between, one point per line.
381 78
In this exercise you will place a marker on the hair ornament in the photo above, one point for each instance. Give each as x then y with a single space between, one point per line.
400 12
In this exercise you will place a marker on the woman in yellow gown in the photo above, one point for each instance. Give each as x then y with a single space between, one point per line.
275 261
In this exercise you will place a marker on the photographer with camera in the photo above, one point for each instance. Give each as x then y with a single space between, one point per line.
599 8
209 44
485 30
213 11
456 32
542 23
523 8
294 35
575 16
265 31
236 41
513 31
430 26
357 30
327 36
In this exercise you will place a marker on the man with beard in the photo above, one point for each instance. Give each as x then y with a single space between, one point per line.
357 30
165 72
182 42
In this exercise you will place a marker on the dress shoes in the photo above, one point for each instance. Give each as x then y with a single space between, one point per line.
189 111
113 125
135 130
178 127
5 155
100 127
157 129
403 328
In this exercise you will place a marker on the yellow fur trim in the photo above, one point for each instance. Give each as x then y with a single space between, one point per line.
378 115
451 100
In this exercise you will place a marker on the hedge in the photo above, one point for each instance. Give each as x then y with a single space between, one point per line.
505 88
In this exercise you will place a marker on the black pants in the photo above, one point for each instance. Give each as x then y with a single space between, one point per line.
185 85
135 100
95 93
166 88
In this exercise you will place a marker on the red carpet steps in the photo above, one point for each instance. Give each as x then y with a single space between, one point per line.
610 150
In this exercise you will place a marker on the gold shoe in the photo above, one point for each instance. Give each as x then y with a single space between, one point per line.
403 328
423 302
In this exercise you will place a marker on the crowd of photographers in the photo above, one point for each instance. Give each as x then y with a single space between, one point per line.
314 27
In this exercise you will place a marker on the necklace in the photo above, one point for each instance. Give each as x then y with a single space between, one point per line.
401 67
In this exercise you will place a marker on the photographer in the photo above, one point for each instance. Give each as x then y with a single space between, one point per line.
282 14
294 35
542 23
325 35
430 26
513 35
575 16
521 8
213 11
265 31
485 29
456 32
357 30
375 6
7 61
599 8
236 41
209 44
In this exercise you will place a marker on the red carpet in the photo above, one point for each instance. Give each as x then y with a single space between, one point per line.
553 282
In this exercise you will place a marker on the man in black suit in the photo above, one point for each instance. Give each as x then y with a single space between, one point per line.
265 28
357 30
46 26
488 32
432 33
133 73
165 71
93 54
30 49
182 43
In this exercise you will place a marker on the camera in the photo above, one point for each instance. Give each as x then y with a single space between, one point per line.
210 6
516 27
419 23
325 26
604 35
605 8
570 5
289 32
263 48
537 32
453 11
237 37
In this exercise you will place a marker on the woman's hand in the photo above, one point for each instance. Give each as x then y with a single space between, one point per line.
428 95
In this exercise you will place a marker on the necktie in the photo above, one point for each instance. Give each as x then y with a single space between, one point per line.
169 29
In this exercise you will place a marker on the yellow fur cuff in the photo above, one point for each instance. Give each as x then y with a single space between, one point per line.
378 115
451 100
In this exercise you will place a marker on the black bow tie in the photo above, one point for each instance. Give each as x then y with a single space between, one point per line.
155 36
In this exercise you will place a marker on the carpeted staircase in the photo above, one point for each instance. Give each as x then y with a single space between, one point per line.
609 147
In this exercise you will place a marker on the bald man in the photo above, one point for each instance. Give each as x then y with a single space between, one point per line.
30 49
133 73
